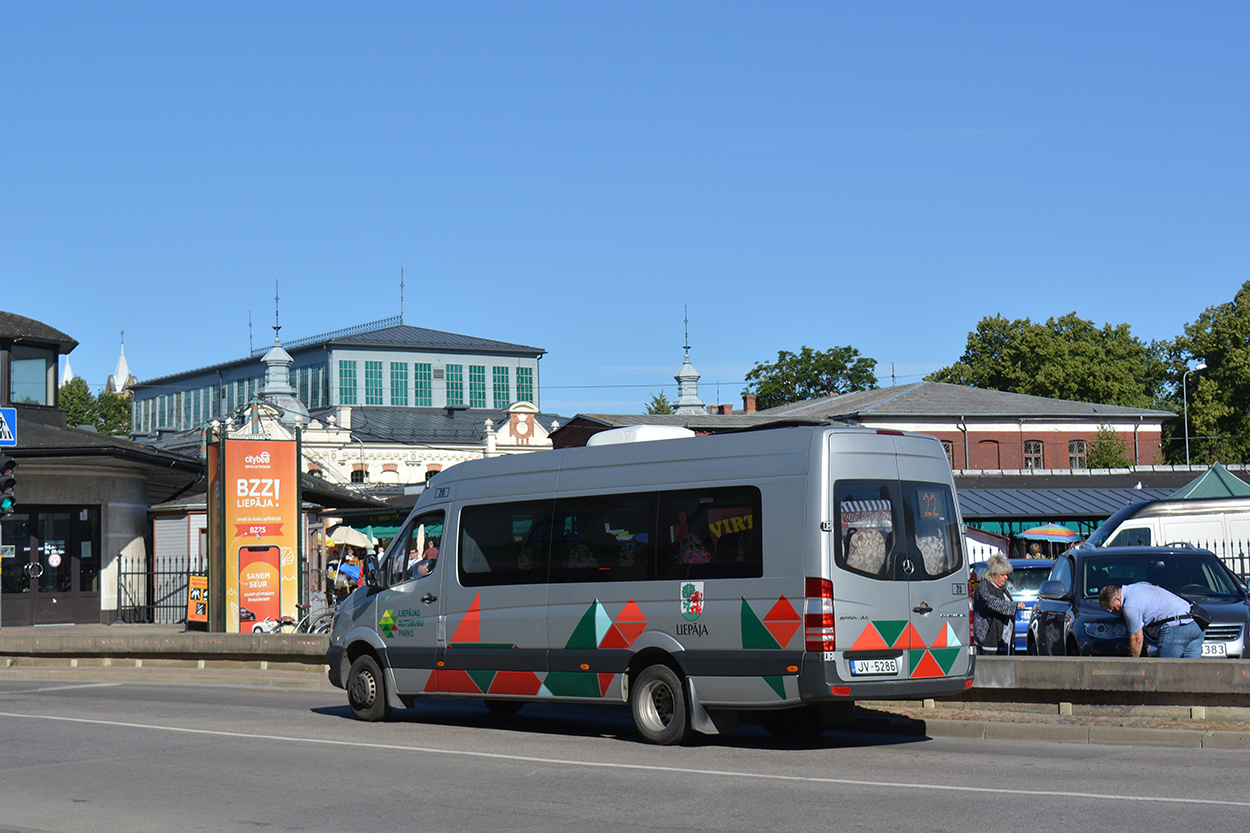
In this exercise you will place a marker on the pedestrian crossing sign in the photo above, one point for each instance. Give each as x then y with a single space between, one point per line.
8 427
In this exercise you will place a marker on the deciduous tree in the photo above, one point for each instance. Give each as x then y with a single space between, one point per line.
810 375
1064 358
1218 395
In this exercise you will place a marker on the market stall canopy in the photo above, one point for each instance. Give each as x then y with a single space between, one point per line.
1051 532
346 535
1216 481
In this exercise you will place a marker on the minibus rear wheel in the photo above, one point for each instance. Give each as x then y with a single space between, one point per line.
366 690
657 700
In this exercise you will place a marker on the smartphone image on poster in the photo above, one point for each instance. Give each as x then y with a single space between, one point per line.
260 582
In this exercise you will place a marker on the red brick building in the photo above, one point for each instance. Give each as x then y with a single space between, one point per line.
982 430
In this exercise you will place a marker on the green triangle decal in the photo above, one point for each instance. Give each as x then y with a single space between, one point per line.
778 684
754 635
573 684
482 679
890 630
945 657
914 656
583 635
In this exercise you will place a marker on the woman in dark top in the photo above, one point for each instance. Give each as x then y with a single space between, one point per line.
994 610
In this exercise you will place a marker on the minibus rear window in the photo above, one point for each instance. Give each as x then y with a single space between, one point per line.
880 521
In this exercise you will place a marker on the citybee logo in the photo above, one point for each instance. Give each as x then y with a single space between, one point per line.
253 459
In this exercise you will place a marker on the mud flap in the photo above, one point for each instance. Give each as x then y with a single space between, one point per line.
709 721
392 690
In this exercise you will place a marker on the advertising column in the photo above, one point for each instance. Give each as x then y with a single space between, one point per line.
261 527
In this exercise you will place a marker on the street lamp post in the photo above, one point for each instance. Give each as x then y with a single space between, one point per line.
1185 399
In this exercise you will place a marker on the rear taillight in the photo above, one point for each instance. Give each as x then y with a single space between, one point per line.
818 615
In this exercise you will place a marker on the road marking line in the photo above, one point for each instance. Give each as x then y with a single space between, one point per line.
62 688
683 770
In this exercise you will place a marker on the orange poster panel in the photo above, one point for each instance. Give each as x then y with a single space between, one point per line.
261 528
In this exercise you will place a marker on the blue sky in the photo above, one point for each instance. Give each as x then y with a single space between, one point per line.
574 175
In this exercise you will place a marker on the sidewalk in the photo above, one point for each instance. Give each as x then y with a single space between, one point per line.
170 654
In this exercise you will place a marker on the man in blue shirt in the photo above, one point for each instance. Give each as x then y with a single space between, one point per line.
1143 606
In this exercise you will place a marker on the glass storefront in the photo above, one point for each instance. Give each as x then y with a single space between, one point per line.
50 565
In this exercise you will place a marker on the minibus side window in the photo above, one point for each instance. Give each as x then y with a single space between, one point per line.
414 553
504 543
711 533
603 538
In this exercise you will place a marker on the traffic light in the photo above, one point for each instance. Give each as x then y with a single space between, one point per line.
7 484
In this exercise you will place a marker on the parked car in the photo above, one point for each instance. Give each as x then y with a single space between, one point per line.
1068 621
1027 575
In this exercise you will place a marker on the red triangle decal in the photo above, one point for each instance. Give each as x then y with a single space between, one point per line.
781 631
909 638
516 682
870 640
614 639
940 642
605 680
927 667
457 682
431 684
470 627
631 613
783 611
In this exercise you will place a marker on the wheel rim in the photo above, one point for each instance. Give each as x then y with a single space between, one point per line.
364 689
657 705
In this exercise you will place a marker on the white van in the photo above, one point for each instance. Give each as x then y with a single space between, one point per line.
1221 525
787 571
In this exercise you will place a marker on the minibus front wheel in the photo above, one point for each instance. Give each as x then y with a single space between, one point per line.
366 690
657 700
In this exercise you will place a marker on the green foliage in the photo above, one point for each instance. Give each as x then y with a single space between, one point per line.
1106 451
108 413
113 414
76 401
1219 395
659 404
1065 358
809 375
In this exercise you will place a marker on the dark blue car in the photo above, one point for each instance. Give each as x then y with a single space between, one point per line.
1027 575
1068 621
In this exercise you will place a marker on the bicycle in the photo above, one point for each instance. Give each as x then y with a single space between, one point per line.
309 623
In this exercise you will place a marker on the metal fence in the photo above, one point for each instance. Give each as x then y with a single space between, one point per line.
1234 554
152 590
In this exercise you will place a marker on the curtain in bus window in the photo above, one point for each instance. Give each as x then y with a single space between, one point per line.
931 511
866 525
711 533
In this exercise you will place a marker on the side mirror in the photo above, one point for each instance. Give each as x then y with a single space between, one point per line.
371 572
1052 589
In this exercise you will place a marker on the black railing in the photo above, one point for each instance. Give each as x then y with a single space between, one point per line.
152 590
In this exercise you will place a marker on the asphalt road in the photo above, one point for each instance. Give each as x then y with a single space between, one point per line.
145 756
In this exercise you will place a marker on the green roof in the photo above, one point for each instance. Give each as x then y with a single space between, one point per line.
1216 481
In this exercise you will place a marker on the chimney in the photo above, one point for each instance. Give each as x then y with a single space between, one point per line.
748 403
724 409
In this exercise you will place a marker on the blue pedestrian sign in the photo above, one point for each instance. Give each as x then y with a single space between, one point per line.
8 427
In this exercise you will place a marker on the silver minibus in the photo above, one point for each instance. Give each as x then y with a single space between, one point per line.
782 573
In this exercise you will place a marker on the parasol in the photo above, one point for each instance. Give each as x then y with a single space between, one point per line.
1051 532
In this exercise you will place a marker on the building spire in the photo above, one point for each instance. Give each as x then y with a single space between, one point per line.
688 401
276 326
